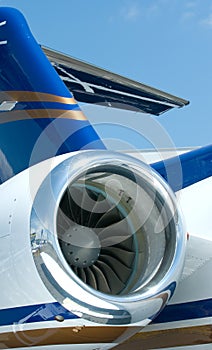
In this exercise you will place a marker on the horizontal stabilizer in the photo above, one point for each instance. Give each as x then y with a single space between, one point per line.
91 84
186 169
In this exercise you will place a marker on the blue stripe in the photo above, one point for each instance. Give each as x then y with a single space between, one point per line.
185 311
195 166
47 312
44 105
34 313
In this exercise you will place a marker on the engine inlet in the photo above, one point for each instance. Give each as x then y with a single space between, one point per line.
112 231
107 237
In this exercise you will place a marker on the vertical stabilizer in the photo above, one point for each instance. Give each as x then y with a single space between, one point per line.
39 117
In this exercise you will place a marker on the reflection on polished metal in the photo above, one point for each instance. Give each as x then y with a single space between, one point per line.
107 237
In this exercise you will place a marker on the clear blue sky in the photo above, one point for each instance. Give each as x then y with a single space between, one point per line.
163 43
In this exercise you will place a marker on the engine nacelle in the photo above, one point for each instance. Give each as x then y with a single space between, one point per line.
107 238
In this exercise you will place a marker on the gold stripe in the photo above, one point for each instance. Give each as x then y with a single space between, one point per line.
6 117
29 96
169 338
66 335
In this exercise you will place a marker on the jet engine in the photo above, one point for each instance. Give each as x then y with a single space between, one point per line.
107 238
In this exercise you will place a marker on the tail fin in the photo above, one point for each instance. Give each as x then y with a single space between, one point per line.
39 117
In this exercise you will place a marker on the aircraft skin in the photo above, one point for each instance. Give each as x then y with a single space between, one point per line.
85 263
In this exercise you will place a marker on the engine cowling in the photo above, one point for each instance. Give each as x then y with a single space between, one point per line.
107 238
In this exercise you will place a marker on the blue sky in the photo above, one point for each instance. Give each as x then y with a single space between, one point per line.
166 44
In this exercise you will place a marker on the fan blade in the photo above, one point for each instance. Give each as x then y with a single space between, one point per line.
102 282
122 271
126 245
75 269
110 217
87 201
81 274
115 284
70 206
90 278
115 233
101 206
124 256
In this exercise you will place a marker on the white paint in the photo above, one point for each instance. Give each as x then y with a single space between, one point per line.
196 205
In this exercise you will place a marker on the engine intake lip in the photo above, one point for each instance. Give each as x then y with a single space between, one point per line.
142 297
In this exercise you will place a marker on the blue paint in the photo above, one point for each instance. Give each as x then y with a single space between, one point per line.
34 140
171 288
24 66
47 312
185 311
25 141
34 313
195 166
